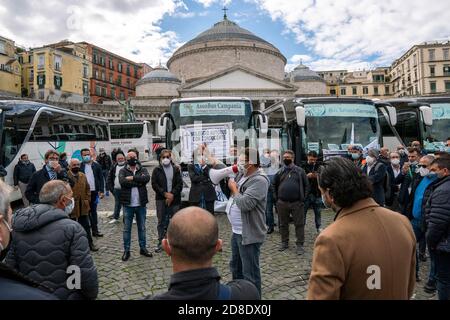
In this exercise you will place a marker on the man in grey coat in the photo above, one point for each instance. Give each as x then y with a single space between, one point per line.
246 211
50 248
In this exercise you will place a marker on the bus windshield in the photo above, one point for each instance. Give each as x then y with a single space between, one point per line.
15 126
333 127
238 112
440 130
126 131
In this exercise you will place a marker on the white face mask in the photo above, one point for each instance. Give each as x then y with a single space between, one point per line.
69 208
166 162
395 162
423 172
241 168
121 163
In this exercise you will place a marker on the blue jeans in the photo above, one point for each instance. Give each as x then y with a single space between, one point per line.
140 219
419 236
117 205
443 274
244 262
315 203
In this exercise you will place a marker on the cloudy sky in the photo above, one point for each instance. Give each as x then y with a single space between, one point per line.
324 34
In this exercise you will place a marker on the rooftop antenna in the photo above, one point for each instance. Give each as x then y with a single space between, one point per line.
225 13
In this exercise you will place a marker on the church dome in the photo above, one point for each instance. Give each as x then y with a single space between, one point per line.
158 82
303 73
159 74
223 46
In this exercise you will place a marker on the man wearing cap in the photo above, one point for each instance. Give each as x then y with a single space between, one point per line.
375 170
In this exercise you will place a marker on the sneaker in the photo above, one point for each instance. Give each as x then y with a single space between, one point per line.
300 250
284 246
430 287
114 221
145 253
158 248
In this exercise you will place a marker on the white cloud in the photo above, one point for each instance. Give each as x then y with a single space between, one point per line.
304 58
349 32
208 3
129 28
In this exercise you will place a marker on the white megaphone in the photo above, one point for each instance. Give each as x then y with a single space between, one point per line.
218 175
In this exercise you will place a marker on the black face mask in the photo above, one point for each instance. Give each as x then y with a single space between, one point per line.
287 162
132 162
75 170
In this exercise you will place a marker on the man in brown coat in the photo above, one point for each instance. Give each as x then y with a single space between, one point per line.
369 251
82 197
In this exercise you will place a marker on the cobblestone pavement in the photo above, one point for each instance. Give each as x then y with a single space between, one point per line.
284 274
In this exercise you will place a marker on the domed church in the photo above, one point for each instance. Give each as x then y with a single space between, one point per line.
226 60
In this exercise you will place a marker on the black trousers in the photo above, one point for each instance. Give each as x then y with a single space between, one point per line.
208 204
84 221
93 215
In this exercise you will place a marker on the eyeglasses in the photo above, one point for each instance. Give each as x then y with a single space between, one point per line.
7 226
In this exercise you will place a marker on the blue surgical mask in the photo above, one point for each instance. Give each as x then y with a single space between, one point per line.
355 156
86 158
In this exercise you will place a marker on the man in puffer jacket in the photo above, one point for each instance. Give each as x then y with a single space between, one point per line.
437 214
46 242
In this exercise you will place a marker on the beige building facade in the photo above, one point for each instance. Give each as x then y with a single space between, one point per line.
422 70
10 69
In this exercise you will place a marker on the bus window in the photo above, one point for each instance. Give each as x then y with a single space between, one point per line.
407 126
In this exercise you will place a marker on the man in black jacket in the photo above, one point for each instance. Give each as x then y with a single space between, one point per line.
438 225
314 198
23 171
52 170
291 188
105 162
192 241
13 285
113 185
133 179
167 184
376 172
49 247
94 176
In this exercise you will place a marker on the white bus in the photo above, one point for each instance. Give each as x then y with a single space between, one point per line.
34 128
220 122
129 135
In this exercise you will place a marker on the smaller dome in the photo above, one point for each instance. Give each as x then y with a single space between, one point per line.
303 73
159 74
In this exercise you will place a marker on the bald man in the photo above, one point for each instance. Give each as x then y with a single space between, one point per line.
192 241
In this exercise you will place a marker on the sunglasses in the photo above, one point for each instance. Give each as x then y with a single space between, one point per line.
422 166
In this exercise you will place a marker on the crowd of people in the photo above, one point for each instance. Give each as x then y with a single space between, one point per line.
390 208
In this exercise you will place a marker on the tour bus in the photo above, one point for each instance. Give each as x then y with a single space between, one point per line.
128 135
219 122
327 125
34 128
424 119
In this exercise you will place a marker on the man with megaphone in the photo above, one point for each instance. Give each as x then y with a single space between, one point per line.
246 212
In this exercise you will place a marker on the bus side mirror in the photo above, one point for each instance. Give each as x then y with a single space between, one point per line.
301 118
263 123
427 114
162 125
392 112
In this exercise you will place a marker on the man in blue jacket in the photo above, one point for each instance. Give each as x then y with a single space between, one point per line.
438 225
94 175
